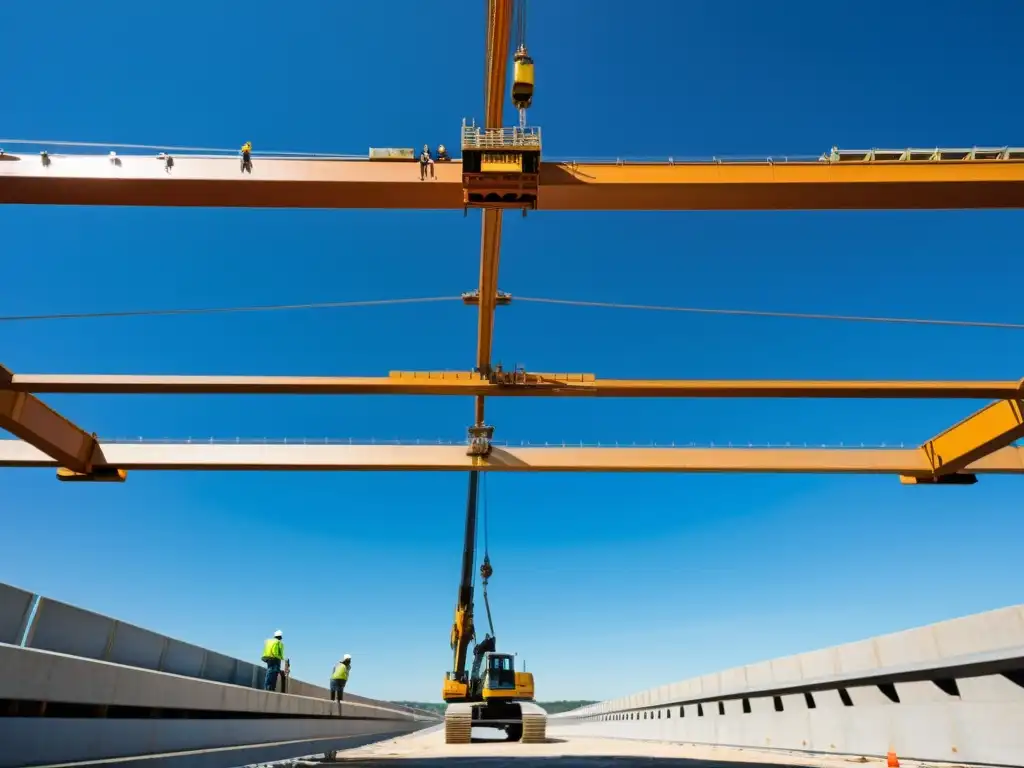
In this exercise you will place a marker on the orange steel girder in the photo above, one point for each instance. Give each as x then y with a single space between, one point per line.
541 385
289 183
908 462
27 417
499 27
993 427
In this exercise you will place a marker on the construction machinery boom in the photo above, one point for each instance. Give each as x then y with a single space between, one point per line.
491 694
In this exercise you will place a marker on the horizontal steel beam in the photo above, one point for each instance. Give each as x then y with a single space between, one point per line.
780 186
240 456
541 384
135 180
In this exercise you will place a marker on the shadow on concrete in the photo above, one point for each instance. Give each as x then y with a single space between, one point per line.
548 740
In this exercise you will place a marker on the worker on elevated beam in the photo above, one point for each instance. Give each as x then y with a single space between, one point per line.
426 161
247 157
442 154
339 676
273 655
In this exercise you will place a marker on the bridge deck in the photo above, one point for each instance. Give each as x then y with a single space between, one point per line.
426 749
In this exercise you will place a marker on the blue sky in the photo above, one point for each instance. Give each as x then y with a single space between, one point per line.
664 576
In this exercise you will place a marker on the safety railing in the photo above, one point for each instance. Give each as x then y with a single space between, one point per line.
937 154
474 137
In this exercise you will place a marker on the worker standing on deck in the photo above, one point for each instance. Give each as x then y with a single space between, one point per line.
426 161
247 157
339 676
273 655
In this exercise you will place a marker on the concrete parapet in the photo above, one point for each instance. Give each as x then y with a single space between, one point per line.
952 691
69 630
70 709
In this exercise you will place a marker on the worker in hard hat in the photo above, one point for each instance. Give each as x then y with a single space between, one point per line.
426 161
442 154
339 676
273 655
247 157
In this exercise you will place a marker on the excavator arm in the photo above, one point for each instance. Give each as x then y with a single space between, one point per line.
457 685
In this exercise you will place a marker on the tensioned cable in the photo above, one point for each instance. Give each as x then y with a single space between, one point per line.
767 313
530 299
226 310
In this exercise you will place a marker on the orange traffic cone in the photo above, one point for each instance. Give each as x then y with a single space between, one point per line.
891 761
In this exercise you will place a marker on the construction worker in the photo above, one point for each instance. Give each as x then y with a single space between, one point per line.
426 161
339 676
273 655
247 157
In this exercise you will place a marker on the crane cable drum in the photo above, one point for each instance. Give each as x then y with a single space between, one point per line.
522 67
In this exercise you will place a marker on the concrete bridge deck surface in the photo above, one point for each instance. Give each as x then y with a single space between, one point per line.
426 749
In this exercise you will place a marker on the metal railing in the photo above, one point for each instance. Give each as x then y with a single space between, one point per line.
474 137
937 154
498 443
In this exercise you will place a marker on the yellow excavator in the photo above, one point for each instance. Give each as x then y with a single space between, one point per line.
491 694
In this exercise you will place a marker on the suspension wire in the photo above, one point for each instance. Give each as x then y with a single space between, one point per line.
767 313
487 556
227 310
528 299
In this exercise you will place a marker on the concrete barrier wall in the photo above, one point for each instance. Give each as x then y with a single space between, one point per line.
67 629
952 691
15 605
81 697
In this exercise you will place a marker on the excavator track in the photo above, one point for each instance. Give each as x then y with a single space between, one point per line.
458 724
535 723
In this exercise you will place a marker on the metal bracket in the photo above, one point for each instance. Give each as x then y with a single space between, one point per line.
480 440
472 298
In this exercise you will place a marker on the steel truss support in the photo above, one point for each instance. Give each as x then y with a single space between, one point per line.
993 427
26 416
909 462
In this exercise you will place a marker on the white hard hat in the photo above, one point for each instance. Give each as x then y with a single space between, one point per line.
346 657
279 633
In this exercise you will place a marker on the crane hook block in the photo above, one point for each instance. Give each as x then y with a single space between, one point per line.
485 570
522 79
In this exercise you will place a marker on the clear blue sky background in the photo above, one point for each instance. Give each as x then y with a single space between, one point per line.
666 576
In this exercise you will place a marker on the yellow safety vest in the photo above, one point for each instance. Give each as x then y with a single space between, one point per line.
273 649
340 672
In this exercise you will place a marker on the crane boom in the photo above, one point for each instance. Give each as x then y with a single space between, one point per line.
463 630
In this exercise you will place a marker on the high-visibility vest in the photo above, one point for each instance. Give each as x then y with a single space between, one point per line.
340 671
273 649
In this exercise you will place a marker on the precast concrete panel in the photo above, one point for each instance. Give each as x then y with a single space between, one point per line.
218 667
15 605
136 647
857 657
183 659
1002 628
66 629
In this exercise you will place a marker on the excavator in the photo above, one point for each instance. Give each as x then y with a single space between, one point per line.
491 694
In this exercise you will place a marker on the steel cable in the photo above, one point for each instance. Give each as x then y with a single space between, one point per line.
528 299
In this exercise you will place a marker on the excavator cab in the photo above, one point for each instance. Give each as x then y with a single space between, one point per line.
499 673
